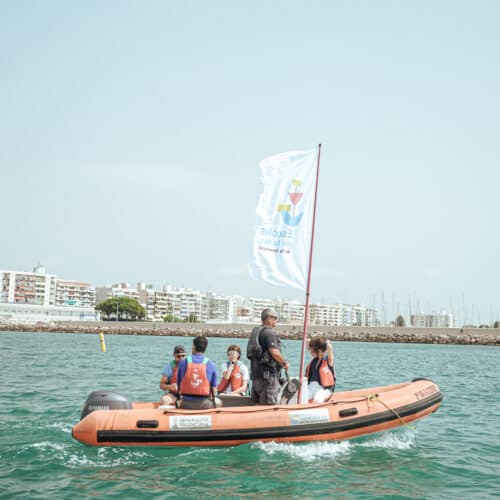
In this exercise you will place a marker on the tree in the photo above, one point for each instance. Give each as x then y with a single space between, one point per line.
121 308
496 324
400 321
191 319
171 318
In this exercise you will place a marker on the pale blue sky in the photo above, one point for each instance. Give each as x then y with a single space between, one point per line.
130 136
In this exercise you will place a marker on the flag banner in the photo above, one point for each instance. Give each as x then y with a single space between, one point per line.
284 218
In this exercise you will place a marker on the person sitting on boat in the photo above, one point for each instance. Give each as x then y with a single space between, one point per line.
168 381
320 371
235 377
266 359
197 379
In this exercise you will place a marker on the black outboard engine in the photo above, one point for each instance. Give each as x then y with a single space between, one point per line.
105 400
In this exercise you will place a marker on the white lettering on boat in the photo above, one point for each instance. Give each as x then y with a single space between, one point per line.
97 407
317 416
190 422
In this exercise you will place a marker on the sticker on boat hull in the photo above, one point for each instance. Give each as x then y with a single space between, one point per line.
300 417
191 422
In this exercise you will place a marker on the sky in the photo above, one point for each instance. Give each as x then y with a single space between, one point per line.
131 133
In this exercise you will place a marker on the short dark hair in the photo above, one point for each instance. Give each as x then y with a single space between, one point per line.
236 348
200 343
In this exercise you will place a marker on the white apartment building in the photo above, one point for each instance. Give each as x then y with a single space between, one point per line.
221 307
74 293
433 320
291 312
40 297
181 303
256 305
21 287
342 315
116 290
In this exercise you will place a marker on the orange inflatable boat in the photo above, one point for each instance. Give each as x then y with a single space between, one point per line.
109 419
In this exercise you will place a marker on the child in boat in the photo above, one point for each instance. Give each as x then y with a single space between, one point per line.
235 376
320 372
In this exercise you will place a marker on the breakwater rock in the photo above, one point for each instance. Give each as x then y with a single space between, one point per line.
465 336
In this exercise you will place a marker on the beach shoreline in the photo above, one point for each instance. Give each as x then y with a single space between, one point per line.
457 336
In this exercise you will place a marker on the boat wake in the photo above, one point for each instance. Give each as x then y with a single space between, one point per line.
402 440
72 456
308 451
321 449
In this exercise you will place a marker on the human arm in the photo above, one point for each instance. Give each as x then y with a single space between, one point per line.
278 357
212 377
271 343
166 386
240 391
329 353
181 371
166 382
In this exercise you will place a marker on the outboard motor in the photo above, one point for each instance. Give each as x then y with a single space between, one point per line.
104 400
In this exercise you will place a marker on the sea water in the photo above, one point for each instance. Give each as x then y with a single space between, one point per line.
45 377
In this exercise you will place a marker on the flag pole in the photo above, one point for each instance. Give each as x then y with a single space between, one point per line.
308 289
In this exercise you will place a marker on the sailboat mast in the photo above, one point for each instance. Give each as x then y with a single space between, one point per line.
308 288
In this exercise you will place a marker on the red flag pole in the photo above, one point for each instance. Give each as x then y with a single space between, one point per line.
308 289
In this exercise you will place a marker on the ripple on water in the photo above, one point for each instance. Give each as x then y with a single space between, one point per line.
452 454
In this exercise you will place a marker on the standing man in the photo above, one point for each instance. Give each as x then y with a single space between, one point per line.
264 353
197 379
168 381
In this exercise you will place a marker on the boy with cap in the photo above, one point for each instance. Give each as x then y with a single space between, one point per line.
168 381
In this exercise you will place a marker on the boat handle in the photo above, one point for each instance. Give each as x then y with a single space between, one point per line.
147 424
348 412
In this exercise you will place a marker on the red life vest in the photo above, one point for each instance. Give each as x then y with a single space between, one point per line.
236 379
195 381
326 378
175 367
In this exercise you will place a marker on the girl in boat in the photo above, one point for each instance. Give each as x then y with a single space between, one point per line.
320 372
235 377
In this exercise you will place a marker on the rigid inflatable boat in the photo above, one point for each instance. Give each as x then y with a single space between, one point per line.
109 419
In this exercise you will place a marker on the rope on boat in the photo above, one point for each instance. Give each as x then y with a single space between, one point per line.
372 398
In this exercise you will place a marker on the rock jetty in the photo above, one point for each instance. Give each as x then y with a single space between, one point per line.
459 336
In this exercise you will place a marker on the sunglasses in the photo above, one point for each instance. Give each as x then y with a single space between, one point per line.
180 355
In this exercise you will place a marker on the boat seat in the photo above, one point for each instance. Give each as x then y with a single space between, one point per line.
232 401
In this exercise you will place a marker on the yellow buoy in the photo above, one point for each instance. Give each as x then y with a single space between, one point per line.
101 340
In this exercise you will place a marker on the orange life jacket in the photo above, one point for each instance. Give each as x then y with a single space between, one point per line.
236 379
326 378
175 367
195 381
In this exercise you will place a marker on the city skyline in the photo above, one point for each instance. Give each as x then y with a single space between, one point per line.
85 291
131 138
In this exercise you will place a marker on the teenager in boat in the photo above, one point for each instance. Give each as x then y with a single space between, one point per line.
168 381
320 372
235 377
197 379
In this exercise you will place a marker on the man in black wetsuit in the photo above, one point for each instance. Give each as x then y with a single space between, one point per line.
264 352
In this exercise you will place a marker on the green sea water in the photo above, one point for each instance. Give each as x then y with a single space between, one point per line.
454 453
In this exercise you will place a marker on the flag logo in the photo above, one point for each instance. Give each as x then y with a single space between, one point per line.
284 219
287 211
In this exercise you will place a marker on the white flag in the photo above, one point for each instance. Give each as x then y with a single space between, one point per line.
284 218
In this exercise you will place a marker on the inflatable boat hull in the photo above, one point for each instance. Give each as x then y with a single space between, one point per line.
344 416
